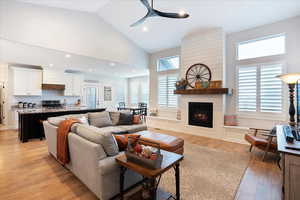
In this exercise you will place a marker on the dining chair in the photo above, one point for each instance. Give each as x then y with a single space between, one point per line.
143 111
121 106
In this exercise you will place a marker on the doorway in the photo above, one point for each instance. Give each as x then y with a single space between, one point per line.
90 96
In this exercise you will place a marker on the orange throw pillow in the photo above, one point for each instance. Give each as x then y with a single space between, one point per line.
122 140
136 119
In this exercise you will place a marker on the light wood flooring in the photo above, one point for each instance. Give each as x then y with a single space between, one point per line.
27 171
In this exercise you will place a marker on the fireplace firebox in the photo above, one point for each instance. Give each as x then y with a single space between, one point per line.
201 114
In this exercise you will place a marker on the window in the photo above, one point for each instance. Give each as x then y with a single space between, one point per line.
270 88
168 63
247 88
166 87
259 90
138 90
268 46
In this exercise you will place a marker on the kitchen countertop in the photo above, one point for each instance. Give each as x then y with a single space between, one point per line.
49 110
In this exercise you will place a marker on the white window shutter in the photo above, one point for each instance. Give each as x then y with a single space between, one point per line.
172 98
166 87
271 95
162 91
247 88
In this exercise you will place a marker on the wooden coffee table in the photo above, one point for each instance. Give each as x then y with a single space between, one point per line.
170 160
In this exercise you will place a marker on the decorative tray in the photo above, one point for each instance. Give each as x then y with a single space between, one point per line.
146 156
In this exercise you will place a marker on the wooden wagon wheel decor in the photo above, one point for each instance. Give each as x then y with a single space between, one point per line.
197 72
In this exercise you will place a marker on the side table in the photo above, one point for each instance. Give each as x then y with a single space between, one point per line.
170 160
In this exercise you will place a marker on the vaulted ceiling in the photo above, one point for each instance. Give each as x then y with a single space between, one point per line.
232 15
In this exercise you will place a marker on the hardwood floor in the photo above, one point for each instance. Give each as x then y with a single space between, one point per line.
27 171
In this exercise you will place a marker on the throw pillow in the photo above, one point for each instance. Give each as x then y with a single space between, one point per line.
125 118
136 119
122 140
96 135
114 116
100 119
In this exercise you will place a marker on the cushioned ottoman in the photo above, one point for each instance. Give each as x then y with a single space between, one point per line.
167 142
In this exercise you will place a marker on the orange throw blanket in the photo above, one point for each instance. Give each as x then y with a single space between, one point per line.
62 140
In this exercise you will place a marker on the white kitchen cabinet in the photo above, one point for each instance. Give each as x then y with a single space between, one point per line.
27 82
73 84
53 76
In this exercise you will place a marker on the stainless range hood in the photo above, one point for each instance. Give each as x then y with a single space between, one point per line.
53 87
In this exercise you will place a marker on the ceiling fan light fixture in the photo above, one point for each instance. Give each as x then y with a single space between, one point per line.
145 29
182 13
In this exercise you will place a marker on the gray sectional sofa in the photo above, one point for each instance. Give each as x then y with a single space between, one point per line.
93 150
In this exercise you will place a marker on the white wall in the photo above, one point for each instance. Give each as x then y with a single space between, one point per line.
69 31
291 27
4 79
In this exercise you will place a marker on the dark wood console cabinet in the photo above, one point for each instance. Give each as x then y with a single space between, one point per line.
290 166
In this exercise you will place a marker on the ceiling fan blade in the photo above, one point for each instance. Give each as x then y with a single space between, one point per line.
146 4
171 15
140 21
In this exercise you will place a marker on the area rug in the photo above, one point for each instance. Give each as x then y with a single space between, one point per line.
207 174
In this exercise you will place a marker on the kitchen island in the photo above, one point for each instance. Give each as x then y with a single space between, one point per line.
30 120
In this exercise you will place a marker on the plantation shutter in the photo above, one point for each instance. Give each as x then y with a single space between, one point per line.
172 98
166 87
270 88
134 91
247 88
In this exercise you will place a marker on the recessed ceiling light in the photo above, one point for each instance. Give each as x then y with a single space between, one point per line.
68 56
182 13
51 65
112 64
145 28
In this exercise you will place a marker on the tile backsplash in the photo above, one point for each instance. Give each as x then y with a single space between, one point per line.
46 95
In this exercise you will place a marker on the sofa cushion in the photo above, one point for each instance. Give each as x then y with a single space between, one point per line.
112 129
99 119
114 116
55 120
125 118
97 135
133 128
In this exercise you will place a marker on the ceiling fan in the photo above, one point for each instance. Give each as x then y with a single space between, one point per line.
155 13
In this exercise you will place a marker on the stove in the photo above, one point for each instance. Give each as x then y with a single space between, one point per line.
51 104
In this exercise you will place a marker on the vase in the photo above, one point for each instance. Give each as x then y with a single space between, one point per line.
205 84
198 84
